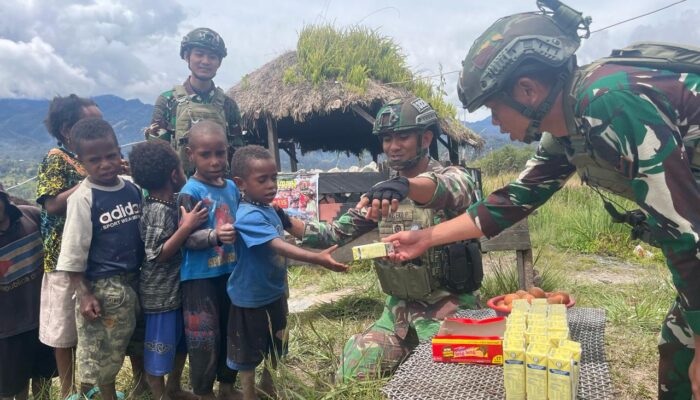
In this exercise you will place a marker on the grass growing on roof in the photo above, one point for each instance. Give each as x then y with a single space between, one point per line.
355 54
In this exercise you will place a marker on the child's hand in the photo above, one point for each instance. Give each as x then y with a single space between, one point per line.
90 307
193 219
226 233
327 261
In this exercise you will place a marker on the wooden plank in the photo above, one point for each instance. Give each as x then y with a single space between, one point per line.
362 113
272 143
517 237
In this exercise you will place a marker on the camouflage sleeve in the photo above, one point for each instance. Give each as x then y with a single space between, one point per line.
346 228
162 125
545 173
233 116
453 191
664 186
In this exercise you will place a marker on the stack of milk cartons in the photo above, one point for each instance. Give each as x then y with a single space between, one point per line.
540 362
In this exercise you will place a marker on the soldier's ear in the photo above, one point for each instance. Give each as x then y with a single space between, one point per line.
427 139
529 91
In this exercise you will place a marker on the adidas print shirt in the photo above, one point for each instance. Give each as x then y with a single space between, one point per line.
101 235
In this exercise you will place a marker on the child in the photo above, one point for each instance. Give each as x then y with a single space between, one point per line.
59 174
208 259
156 167
102 252
257 287
22 356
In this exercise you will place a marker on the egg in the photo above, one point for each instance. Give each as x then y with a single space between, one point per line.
537 292
565 297
529 298
508 299
555 299
521 294
500 303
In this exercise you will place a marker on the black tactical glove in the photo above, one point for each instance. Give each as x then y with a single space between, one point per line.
395 188
286 222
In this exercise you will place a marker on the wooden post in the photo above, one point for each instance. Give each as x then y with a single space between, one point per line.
517 238
293 157
272 143
526 273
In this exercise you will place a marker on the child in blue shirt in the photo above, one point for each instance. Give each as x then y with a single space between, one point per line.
207 261
257 287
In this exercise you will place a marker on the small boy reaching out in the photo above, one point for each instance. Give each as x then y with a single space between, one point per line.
257 286
156 167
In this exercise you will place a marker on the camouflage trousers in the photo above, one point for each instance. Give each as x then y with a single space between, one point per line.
676 351
403 324
102 343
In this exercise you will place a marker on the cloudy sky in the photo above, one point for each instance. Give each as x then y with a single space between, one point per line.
130 47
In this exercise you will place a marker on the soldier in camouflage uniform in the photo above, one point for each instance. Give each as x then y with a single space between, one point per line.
197 98
426 193
621 127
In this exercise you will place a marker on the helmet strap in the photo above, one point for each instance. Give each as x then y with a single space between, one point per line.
536 115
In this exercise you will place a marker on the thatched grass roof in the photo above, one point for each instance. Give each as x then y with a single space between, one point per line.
320 116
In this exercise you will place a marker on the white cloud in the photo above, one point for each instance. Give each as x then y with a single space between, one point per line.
131 47
33 69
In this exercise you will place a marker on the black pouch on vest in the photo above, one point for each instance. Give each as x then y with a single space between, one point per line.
463 269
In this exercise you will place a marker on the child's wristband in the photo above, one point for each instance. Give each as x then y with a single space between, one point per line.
213 242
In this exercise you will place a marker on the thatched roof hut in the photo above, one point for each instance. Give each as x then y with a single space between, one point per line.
329 116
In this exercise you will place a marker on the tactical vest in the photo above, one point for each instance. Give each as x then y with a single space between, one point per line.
420 278
593 169
189 112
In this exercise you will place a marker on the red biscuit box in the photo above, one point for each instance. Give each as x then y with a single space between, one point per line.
476 341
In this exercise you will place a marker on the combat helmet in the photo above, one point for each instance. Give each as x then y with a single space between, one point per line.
203 37
519 43
407 114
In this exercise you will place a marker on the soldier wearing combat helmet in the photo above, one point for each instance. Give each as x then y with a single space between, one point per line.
627 123
198 98
424 291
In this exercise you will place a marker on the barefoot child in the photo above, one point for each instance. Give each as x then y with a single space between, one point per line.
208 259
156 167
257 287
102 252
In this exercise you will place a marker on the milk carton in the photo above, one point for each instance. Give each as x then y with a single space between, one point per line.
536 371
514 369
560 374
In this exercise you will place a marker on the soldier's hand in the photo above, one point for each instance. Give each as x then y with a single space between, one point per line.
384 197
90 307
325 259
408 244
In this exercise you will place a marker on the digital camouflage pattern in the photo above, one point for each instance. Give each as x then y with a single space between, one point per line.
634 120
385 344
677 347
102 343
164 121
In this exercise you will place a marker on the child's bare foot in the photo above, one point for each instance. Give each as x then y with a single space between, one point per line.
267 391
230 394
179 394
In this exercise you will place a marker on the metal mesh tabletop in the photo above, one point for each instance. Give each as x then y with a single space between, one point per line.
422 378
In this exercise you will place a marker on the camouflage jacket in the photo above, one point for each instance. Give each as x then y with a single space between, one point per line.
165 111
634 119
452 194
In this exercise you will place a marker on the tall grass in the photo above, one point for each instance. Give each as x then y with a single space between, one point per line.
574 219
355 54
